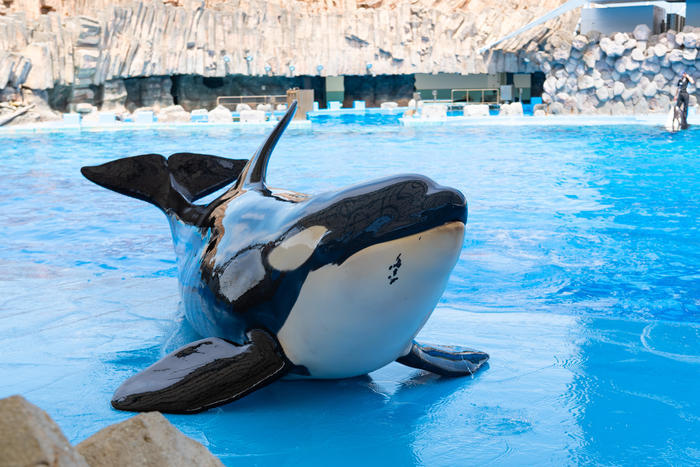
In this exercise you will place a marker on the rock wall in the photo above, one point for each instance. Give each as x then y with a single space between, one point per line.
84 43
621 74
123 54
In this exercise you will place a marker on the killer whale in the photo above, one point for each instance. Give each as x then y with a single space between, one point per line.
328 286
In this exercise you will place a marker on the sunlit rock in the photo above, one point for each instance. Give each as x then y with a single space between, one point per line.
28 437
146 439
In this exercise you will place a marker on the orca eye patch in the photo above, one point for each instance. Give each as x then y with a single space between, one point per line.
295 250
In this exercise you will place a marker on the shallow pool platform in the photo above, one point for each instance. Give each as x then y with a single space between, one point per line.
578 274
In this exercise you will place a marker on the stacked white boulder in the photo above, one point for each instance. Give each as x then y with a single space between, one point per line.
624 73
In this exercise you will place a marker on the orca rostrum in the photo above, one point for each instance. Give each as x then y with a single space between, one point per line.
328 286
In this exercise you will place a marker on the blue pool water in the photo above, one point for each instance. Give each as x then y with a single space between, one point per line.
580 275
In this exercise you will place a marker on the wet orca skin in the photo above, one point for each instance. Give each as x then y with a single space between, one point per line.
329 286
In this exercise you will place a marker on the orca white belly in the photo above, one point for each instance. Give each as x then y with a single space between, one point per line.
354 318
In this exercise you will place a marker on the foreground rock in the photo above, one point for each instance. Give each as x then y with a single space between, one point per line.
29 437
146 439
173 114
220 115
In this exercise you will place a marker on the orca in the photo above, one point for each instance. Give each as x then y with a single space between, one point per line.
285 284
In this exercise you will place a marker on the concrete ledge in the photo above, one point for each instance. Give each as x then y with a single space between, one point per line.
562 120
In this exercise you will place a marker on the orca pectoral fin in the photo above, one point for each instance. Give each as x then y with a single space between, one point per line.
444 360
204 374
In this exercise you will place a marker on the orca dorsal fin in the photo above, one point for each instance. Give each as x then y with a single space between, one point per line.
170 184
254 173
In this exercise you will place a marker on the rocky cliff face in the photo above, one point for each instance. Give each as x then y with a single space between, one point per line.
621 74
83 43
128 53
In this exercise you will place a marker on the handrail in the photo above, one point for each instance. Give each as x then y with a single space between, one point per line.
265 99
483 91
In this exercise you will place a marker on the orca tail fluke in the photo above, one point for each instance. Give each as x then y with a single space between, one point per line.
170 184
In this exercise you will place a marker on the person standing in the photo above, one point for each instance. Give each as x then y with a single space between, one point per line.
682 98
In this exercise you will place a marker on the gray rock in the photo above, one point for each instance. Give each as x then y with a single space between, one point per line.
611 48
556 108
641 107
173 114
690 40
585 82
590 57
220 115
670 37
621 65
620 38
570 66
580 70
241 107
678 39
580 42
676 55
562 97
593 37
546 67
632 65
619 108
629 93
690 55
84 108
638 54
641 32
114 96
550 85
539 113
649 90
561 54
41 112
660 81
668 73
561 82
660 50
650 67
635 76
28 437
546 98
618 88
678 68
576 54
630 44
560 73
146 439
603 94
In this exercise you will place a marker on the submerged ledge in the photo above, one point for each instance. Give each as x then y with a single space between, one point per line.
59 126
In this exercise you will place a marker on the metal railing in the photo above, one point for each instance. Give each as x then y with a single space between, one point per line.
263 99
482 100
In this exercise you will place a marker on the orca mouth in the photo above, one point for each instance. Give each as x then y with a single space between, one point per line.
383 211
